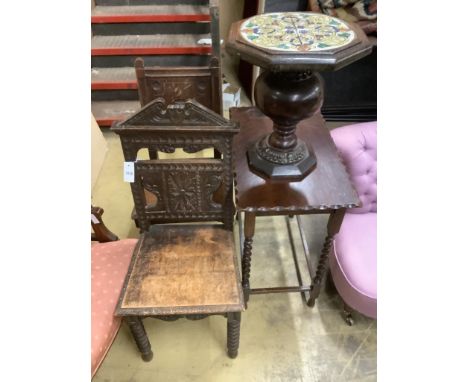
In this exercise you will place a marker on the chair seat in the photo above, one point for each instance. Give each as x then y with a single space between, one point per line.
353 263
182 269
109 265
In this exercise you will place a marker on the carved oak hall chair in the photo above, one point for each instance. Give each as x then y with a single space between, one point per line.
187 270
200 83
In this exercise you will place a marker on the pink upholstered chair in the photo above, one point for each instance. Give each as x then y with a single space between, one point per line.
109 264
353 259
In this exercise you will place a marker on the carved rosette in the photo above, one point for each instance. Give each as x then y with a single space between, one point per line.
184 191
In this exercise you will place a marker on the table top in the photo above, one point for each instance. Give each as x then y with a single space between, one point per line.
325 189
182 269
298 41
300 32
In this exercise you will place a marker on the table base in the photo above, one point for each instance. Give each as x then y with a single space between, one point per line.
246 232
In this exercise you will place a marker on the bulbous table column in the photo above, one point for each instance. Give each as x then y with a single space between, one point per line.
287 98
291 47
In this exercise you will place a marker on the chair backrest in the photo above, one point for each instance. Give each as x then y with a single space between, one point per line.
181 190
357 146
184 189
202 84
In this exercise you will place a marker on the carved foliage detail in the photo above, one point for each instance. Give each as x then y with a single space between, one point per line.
168 149
191 149
274 155
180 88
213 185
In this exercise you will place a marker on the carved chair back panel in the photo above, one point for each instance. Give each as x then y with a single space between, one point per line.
180 83
205 185
180 190
176 88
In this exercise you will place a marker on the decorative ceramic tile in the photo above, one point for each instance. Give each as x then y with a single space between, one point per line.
296 32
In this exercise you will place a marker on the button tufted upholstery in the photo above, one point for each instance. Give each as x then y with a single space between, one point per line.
357 146
109 265
353 261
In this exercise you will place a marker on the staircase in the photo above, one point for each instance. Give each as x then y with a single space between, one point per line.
163 33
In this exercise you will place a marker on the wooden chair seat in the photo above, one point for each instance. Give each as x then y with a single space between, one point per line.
182 269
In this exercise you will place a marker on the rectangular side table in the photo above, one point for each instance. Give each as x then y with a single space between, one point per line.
326 190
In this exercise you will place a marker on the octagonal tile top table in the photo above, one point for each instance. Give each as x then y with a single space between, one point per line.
292 47
287 41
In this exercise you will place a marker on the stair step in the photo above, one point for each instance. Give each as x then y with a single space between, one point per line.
149 13
158 60
106 112
148 44
113 78
150 2
114 95
114 29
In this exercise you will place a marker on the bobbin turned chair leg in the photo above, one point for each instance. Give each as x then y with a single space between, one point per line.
141 339
233 333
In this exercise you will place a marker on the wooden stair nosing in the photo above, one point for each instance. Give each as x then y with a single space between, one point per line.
111 19
113 78
148 45
169 60
123 85
149 13
156 50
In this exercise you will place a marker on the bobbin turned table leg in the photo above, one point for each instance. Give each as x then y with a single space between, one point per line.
141 339
233 333
333 227
249 230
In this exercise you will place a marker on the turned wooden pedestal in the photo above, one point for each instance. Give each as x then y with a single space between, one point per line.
291 47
